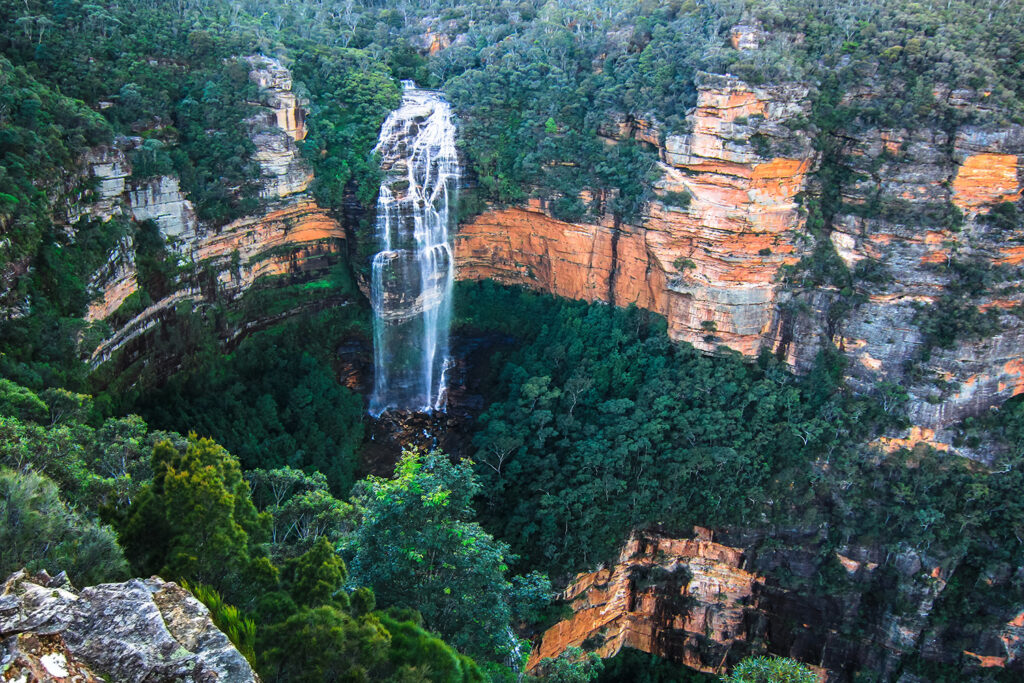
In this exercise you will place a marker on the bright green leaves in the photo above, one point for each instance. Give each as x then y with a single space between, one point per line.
770 670
418 545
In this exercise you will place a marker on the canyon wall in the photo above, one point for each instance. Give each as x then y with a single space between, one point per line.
709 252
913 177
710 266
708 600
290 235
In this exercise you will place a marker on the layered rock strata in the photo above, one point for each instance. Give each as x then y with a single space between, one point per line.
709 250
291 235
140 630
684 599
916 242
706 254
710 599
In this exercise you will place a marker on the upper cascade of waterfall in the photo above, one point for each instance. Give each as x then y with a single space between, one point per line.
413 271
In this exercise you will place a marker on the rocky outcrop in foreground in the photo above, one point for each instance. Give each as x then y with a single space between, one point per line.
710 599
140 630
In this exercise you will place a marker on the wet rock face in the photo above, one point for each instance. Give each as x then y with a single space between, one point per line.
710 599
707 254
140 630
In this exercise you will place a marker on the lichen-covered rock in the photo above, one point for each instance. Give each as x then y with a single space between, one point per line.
140 630
31 657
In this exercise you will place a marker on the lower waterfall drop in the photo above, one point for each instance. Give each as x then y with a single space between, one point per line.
413 271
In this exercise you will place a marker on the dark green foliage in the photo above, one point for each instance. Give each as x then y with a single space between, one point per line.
634 666
680 199
955 316
596 409
416 650
18 402
302 507
42 136
196 522
271 402
315 577
157 266
39 531
354 92
96 467
572 666
1004 216
323 644
214 158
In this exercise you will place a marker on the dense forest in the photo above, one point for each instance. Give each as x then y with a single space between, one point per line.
231 456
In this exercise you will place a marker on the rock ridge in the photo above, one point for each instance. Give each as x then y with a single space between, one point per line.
136 631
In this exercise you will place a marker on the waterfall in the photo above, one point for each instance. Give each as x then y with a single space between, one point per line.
413 270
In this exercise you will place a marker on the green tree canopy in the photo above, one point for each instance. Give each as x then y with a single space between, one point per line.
196 521
770 670
418 545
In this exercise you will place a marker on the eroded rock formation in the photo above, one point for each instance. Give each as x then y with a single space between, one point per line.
709 266
140 630
683 599
914 179
713 598
708 253
291 235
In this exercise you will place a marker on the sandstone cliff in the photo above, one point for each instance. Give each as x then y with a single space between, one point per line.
710 251
713 261
711 599
913 176
291 235
140 630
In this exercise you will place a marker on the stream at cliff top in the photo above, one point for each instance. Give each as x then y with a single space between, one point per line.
413 270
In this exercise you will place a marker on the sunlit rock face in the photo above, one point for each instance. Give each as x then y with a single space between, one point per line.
712 265
710 598
412 273
709 267
276 130
291 235
914 175
682 598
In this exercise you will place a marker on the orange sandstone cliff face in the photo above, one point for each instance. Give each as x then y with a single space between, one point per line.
694 589
710 267
292 235
709 599
588 262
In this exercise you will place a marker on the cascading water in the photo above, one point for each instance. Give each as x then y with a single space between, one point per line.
413 272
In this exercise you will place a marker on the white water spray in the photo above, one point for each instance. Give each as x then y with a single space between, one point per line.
413 272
